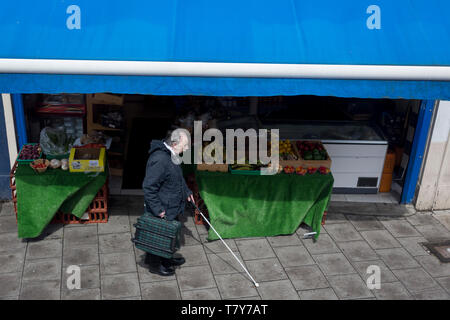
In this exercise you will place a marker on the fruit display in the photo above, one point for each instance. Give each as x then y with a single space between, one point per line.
301 171
247 166
324 170
30 152
40 165
311 150
312 170
289 169
286 150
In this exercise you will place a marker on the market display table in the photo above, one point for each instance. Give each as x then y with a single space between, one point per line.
41 195
255 206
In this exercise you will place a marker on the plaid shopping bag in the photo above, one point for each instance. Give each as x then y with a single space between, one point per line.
157 236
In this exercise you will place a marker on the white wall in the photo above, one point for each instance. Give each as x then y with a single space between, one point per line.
434 190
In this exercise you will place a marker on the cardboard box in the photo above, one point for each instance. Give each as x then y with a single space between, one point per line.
87 160
105 98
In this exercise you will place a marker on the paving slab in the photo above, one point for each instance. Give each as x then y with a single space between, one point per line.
434 232
444 282
349 286
433 266
89 277
307 277
235 285
334 264
324 244
284 240
293 256
380 239
44 249
364 223
117 223
194 255
52 231
416 279
115 242
196 277
42 269
40 290
8 224
397 258
223 263
420 219
318 294
413 245
81 256
12 262
11 243
82 236
343 232
345 207
217 246
391 209
10 284
202 294
162 290
392 291
189 237
333 217
6 208
400 228
438 294
255 249
81 294
266 270
278 290
385 274
357 251
120 286
113 263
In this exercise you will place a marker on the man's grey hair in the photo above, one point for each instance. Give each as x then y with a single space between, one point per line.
173 137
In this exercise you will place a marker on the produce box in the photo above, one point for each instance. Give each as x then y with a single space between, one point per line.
87 160
312 154
29 153
212 167
245 172
289 155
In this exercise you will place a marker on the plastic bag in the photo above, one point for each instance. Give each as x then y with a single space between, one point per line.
55 141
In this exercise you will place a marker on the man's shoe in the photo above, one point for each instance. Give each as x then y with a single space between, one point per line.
161 270
177 261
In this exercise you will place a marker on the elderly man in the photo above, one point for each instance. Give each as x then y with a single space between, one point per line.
165 190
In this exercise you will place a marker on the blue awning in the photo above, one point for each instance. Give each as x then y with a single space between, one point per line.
401 33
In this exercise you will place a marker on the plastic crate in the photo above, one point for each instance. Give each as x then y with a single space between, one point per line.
27 161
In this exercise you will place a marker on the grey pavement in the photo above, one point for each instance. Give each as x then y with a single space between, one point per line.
286 267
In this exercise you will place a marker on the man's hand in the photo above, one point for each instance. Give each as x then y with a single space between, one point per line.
191 199
162 214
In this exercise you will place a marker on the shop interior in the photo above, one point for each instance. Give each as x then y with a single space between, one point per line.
360 135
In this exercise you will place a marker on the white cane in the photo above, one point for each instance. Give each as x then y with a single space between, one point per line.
256 284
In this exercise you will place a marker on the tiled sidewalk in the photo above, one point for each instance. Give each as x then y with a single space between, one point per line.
287 267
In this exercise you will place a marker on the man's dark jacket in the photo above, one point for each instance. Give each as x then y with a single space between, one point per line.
164 185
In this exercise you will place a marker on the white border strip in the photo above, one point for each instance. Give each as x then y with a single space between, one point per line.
10 128
234 70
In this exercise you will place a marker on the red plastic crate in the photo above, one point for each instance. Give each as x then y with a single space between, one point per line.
97 210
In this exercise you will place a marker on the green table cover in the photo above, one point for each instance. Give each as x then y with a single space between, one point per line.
255 206
41 195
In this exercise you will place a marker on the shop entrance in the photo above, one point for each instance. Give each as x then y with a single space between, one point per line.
368 140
